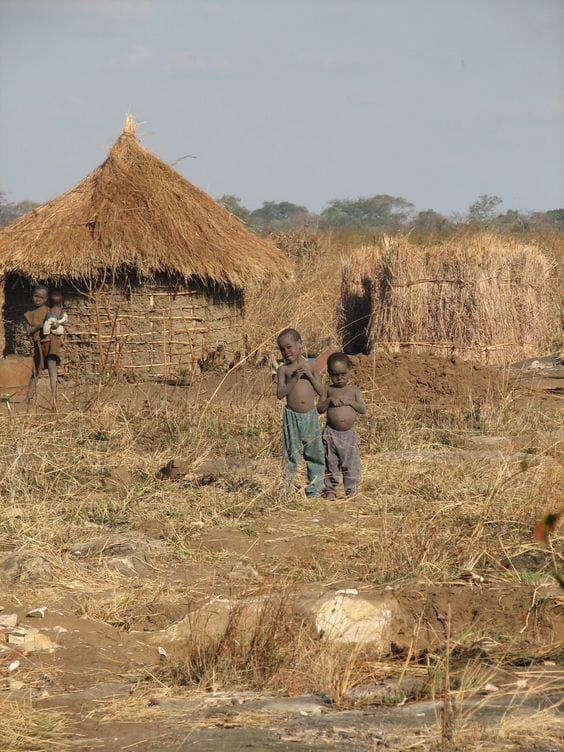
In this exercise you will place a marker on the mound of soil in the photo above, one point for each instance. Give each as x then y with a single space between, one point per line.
426 379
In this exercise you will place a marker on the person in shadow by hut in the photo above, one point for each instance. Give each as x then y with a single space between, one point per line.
46 349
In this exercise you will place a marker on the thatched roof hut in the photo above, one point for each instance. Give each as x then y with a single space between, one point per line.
153 270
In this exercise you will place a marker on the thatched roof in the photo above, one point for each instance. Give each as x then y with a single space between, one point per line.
135 212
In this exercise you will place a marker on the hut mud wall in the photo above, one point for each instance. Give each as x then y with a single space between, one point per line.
162 329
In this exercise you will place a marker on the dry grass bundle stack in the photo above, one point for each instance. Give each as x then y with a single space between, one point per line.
481 298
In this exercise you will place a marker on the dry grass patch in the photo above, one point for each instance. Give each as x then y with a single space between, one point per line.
272 650
24 728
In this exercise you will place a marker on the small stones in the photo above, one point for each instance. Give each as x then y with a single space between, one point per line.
234 469
8 620
126 553
243 571
37 612
28 639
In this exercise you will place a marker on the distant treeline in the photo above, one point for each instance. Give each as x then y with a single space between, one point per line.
375 214
385 213
10 211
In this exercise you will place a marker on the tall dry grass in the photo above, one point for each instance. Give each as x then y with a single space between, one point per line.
55 493
305 301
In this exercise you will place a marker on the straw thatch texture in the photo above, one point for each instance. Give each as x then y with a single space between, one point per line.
480 298
135 212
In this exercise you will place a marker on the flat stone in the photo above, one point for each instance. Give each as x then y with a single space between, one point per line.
298 705
25 567
386 692
501 443
8 620
344 618
127 553
178 704
106 691
32 641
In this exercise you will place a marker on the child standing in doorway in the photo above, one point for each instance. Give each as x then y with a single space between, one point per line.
299 383
46 349
342 402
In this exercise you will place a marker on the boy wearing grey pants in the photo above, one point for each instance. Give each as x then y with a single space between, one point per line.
342 402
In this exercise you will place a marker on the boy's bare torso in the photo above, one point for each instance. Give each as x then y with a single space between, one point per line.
301 398
342 417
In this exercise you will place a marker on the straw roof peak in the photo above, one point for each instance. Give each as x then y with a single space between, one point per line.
129 126
135 212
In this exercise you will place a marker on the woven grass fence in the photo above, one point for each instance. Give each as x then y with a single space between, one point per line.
483 298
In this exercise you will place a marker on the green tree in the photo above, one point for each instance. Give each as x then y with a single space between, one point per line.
512 221
10 211
234 206
380 212
483 209
430 222
553 217
279 215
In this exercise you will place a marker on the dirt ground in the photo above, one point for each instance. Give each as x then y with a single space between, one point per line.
387 379
427 380
458 461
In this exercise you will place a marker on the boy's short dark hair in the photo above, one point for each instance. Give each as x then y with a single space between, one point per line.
338 357
56 295
296 336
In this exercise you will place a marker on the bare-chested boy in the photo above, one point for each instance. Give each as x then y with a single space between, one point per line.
342 402
299 383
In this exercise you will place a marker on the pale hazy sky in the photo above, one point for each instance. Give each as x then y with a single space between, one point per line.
437 101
